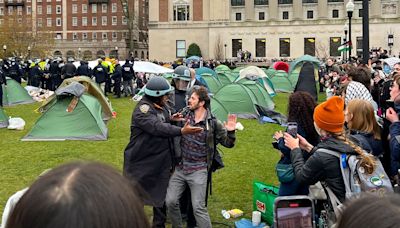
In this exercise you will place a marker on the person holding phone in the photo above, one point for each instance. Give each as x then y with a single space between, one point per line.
392 114
329 123
300 111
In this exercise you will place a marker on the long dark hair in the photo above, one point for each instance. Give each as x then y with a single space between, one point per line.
301 109
80 195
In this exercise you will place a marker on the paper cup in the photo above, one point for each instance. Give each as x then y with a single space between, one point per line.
256 218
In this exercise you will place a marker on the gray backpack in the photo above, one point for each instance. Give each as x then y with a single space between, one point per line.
357 180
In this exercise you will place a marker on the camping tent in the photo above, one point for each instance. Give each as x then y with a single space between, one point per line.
281 82
73 114
222 68
237 99
3 119
211 82
218 110
263 98
296 66
203 70
15 94
226 78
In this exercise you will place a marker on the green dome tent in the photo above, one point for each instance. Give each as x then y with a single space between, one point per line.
238 99
212 83
222 69
263 98
15 94
218 109
257 74
75 113
281 82
202 70
3 118
296 66
226 78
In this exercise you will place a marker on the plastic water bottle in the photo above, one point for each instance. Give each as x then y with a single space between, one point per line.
225 214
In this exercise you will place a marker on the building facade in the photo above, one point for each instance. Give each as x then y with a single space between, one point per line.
267 28
85 29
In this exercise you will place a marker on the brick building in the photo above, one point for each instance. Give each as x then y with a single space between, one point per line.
85 29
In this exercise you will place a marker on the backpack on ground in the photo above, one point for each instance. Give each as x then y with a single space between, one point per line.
357 180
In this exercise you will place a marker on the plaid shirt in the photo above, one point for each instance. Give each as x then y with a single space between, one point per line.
194 148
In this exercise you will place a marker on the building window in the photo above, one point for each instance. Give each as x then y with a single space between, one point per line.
58 21
94 36
84 8
49 22
104 8
114 35
310 14
58 36
58 9
19 10
19 20
285 15
238 16
39 10
84 21
236 47
260 2
10 10
261 16
360 12
94 8
281 2
48 9
237 2
334 44
260 47
335 0
181 12
335 13
309 46
104 35
114 20
94 21
28 10
104 20
310 1
39 22
124 35
74 8
74 36
180 48
2 11
74 21
114 7
84 36
124 20
284 47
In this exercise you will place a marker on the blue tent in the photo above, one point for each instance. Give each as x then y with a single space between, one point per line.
193 58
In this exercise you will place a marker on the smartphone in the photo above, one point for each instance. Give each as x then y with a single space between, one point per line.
275 144
294 212
389 104
292 129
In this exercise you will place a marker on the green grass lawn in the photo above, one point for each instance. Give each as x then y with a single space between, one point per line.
253 157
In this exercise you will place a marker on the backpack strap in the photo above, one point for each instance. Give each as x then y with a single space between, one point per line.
209 173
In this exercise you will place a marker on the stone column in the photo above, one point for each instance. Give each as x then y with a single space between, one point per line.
249 4
297 9
154 11
273 10
323 9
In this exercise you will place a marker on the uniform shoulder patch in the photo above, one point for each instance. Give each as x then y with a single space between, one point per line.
144 108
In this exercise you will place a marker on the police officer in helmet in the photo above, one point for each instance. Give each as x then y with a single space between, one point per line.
148 156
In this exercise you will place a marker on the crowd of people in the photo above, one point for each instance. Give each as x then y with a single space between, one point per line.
173 143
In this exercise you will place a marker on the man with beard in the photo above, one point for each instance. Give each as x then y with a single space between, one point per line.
197 153
149 154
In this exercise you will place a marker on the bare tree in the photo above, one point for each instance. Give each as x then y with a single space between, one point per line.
218 49
18 36
322 50
131 13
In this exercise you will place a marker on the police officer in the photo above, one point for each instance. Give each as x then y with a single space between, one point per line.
100 75
128 77
148 156
84 70
3 80
117 77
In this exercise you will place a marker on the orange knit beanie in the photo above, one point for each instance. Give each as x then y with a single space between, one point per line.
329 115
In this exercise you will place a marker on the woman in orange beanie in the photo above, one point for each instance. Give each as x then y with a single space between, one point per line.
328 122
